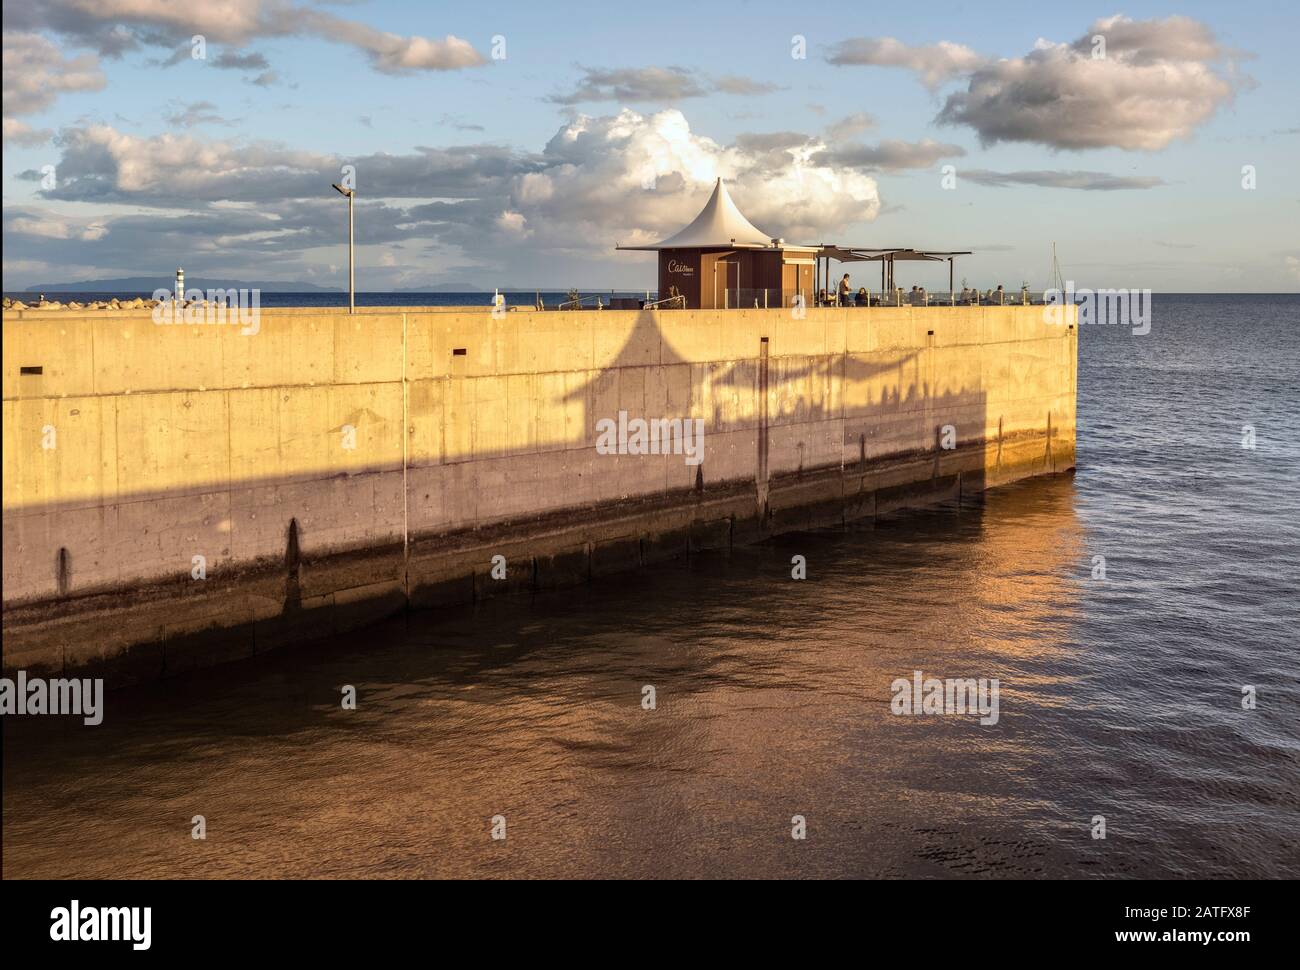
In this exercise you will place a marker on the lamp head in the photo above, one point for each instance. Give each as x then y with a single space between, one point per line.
342 191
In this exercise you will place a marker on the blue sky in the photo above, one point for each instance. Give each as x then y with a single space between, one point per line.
607 123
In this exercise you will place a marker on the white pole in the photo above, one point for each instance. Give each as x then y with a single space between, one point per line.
352 271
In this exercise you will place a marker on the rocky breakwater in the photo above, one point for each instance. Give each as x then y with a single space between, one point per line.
139 303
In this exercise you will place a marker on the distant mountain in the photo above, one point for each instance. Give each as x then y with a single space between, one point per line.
147 284
508 288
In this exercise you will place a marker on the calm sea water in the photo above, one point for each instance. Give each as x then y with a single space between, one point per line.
1119 698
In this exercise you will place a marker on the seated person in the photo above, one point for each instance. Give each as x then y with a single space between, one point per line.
862 298
822 298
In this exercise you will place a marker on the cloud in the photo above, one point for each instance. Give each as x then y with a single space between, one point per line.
101 164
660 84
734 84
1174 38
935 63
771 140
460 124
196 113
266 210
391 54
772 151
85 230
1155 84
513 223
113 27
235 61
1089 181
21 133
850 126
226 60
632 178
36 72
890 155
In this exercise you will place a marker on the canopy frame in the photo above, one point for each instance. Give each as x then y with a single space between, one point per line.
886 257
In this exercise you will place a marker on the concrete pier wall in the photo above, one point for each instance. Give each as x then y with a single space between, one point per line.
330 469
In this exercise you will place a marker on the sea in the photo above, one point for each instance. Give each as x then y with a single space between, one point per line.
718 717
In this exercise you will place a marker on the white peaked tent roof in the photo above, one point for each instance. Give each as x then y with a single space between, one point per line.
719 224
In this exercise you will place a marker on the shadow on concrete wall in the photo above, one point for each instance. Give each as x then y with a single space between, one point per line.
277 598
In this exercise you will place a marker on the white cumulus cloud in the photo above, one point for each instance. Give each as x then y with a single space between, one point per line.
249 208
1156 83
36 72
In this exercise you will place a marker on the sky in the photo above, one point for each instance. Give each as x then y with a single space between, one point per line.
515 144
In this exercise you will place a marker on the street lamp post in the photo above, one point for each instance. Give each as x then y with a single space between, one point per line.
352 279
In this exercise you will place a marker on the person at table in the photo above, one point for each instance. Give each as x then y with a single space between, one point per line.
845 290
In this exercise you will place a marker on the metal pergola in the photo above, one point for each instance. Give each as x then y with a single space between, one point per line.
886 258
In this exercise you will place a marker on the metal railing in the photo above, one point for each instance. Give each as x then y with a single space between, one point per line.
677 302
578 303
759 298
969 297
772 299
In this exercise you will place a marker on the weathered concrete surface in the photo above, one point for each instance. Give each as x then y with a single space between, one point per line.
139 447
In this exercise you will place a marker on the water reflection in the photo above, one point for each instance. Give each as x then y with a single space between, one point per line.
772 701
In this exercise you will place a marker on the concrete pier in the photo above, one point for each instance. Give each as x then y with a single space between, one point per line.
179 495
